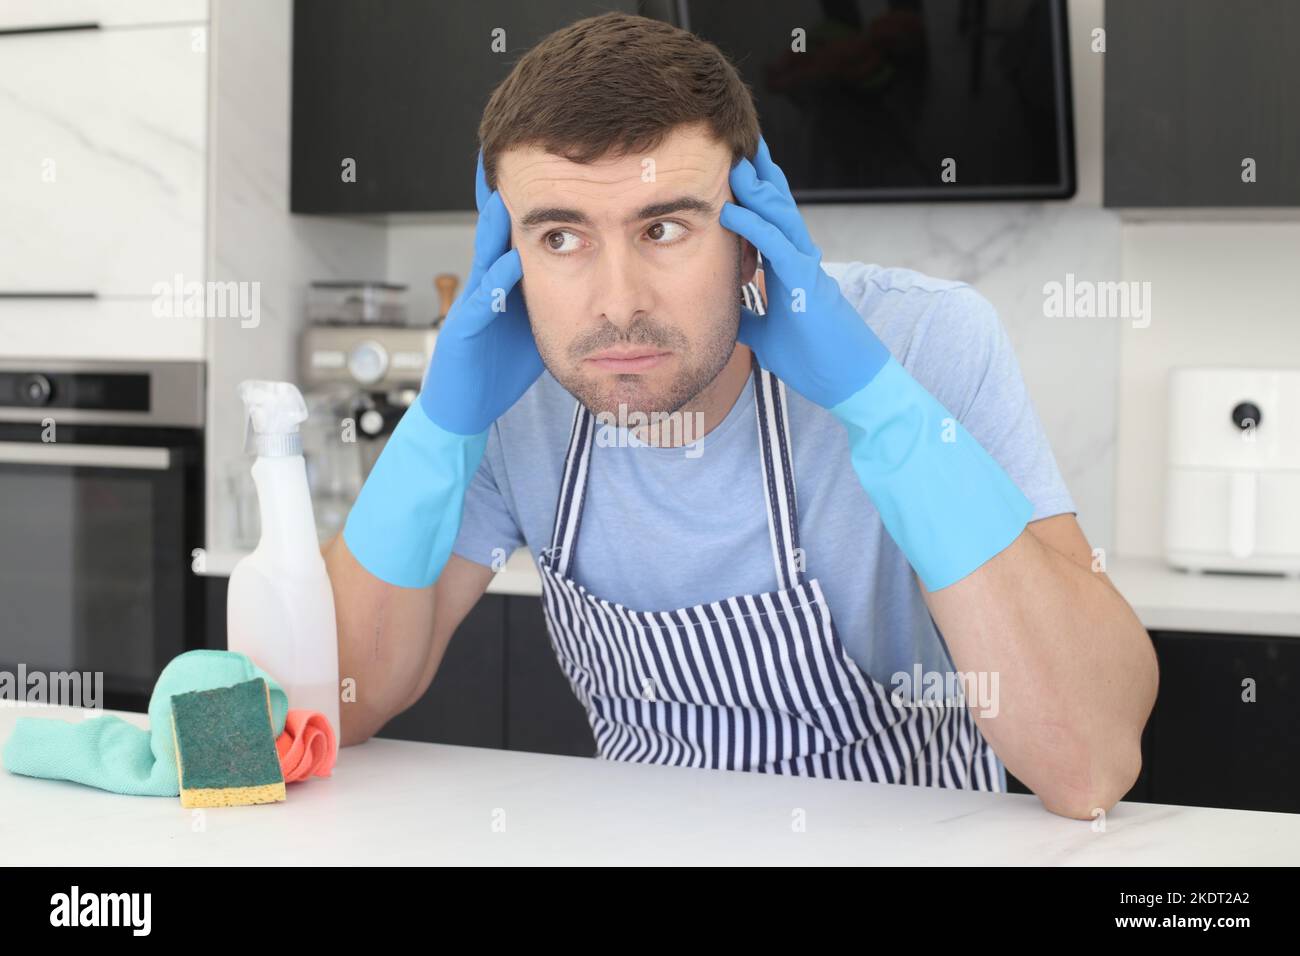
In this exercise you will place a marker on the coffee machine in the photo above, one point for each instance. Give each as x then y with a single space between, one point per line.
362 362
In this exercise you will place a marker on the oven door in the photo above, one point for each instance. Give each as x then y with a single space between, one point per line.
96 532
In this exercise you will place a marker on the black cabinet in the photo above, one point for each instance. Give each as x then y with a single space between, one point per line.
465 704
1192 89
398 88
499 685
542 713
1211 745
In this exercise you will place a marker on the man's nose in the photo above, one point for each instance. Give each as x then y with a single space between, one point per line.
623 293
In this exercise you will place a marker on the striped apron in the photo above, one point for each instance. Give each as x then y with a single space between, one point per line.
756 682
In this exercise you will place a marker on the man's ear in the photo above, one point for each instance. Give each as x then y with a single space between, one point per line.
748 261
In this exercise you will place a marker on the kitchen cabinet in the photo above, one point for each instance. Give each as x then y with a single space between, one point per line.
37 14
465 704
398 89
542 713
102 186
499 685
1192 89
1213 748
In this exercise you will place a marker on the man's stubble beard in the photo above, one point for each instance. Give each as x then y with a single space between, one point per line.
704 360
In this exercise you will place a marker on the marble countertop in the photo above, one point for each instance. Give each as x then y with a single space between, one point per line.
1167 599
519 576
395 802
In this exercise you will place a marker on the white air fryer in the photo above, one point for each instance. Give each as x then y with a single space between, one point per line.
1232 499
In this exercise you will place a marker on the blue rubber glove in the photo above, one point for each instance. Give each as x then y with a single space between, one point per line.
943 499
485 357
405 520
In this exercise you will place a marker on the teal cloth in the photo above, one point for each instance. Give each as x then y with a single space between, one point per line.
109 753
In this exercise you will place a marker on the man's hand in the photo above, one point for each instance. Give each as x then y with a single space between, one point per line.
404 522
946 503
485 357
811 337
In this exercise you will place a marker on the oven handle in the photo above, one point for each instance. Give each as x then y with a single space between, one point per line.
102 456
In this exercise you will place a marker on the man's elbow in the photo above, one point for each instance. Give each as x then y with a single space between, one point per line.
1101 783
358 724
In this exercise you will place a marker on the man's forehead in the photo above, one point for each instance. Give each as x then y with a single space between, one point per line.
532 180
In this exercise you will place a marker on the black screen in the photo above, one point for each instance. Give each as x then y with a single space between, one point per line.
887 90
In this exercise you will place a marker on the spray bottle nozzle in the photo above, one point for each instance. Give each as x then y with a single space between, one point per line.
272 413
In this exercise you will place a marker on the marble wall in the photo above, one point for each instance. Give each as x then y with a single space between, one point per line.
1222 294
253 237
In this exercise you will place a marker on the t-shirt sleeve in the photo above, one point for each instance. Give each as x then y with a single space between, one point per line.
489 531
965 359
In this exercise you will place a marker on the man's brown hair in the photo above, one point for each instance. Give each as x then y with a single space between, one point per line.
616 85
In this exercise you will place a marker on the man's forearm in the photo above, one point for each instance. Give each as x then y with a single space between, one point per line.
384 644
1076 671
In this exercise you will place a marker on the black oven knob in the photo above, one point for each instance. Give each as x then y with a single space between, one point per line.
1245 415
35 389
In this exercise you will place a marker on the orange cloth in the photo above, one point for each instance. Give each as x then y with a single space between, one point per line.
306 746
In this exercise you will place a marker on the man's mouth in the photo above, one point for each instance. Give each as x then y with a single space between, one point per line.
637 359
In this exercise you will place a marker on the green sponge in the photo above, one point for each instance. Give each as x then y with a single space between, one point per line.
225 746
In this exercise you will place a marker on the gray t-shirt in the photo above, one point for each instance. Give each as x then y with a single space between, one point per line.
662 530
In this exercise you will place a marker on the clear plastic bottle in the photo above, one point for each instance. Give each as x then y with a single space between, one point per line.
280 606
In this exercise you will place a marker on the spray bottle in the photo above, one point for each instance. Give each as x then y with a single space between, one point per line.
280 606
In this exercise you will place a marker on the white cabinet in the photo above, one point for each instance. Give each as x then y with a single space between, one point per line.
23 14
102 167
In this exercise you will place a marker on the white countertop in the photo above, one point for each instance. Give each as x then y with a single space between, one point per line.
393 802
1167 599
519 576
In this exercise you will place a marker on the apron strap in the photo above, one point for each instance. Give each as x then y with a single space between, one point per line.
778 462
573 489
778 476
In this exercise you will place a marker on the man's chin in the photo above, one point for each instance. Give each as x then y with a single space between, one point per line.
631 398
625 394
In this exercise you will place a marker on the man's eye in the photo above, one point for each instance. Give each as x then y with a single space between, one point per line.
666 233
560 249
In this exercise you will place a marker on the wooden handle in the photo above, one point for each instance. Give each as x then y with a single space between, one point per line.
447 283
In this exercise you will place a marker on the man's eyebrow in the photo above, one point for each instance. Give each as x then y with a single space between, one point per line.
693 204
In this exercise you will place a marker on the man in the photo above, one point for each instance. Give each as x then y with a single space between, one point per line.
849 490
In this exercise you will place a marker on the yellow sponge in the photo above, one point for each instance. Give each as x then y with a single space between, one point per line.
225 746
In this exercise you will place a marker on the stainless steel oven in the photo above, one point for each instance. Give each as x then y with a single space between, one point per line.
101 508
